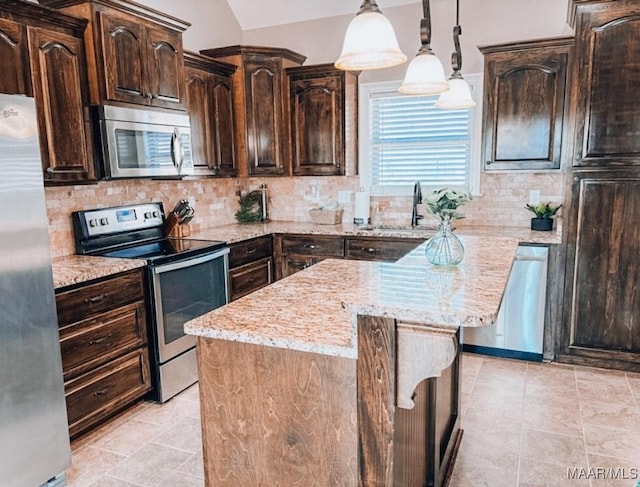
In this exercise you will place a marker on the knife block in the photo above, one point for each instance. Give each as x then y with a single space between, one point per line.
174 229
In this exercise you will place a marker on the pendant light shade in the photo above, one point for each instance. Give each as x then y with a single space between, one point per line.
425 76
458 97
370 42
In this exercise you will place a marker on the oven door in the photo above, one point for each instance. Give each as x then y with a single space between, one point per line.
184 290
135 149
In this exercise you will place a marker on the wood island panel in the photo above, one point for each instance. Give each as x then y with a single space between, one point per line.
273 416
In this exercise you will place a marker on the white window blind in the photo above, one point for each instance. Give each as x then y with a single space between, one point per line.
409 140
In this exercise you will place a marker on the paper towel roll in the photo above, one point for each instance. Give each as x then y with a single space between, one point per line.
361 211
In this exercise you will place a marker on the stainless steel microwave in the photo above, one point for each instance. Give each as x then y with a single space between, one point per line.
145 143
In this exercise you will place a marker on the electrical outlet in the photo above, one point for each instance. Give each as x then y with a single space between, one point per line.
534 197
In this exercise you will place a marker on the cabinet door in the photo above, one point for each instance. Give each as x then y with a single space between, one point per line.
524 107
264 113
223 126
14 61
199 108
317 125
123 45
608 114
59 81
166 68
603 268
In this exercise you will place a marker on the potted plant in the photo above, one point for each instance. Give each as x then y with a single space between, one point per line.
544 213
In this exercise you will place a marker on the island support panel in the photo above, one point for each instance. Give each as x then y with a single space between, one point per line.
408 403
276 417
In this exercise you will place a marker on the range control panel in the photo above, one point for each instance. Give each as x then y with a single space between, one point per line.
121 219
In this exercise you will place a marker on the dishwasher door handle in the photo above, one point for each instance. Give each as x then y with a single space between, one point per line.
527 258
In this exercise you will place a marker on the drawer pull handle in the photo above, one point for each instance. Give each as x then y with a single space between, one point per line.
309 246
102 392
251 251
98 341
371 250
95 299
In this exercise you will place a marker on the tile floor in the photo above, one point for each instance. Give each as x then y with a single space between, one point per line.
525 424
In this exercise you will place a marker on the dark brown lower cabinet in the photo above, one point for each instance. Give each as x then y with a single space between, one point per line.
250 266
103 341
250 277
602 291
96 395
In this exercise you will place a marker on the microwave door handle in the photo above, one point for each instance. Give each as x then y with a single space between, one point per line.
176 150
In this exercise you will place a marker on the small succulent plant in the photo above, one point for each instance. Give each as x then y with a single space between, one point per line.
543 210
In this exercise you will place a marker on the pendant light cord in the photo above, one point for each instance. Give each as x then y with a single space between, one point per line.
425 29
456 56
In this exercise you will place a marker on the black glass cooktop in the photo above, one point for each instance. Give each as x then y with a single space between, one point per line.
165 250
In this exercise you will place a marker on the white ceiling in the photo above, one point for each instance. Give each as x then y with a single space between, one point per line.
253 14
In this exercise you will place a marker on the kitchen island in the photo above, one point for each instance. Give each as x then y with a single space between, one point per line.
346 373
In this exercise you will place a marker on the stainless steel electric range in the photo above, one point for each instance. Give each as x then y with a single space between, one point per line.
186 278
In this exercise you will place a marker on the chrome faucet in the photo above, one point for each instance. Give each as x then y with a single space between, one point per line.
417 199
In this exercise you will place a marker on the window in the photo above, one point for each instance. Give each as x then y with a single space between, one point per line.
406 138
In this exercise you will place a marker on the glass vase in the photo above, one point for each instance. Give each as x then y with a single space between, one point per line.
444 248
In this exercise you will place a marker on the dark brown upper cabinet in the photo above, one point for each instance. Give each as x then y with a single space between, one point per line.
323 110
209 97
14 59
259 89
525 103
42 55
135 53
608 71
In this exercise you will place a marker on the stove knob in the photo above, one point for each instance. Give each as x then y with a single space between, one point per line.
147 215
93 223
156 214
104 221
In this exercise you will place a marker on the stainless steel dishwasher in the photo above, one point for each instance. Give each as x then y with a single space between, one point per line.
519 329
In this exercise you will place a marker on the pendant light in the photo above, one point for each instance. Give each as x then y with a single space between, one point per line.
370 42
425 74
459 95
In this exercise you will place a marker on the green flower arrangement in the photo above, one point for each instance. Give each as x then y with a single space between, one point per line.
250 210
444 203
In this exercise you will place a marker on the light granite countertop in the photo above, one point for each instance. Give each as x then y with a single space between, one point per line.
76 269
315 310
237 232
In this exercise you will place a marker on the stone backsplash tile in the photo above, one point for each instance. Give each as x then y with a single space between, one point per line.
290 199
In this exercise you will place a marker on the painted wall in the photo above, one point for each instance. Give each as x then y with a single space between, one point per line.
212 22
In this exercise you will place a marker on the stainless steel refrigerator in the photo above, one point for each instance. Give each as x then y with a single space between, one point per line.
34 439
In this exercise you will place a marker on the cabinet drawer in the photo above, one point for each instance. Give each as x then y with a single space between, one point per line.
312 245
78 304
94 341
379 249
295 263
250 251
95 396
250 277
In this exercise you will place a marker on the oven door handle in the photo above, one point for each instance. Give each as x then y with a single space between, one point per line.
190 262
